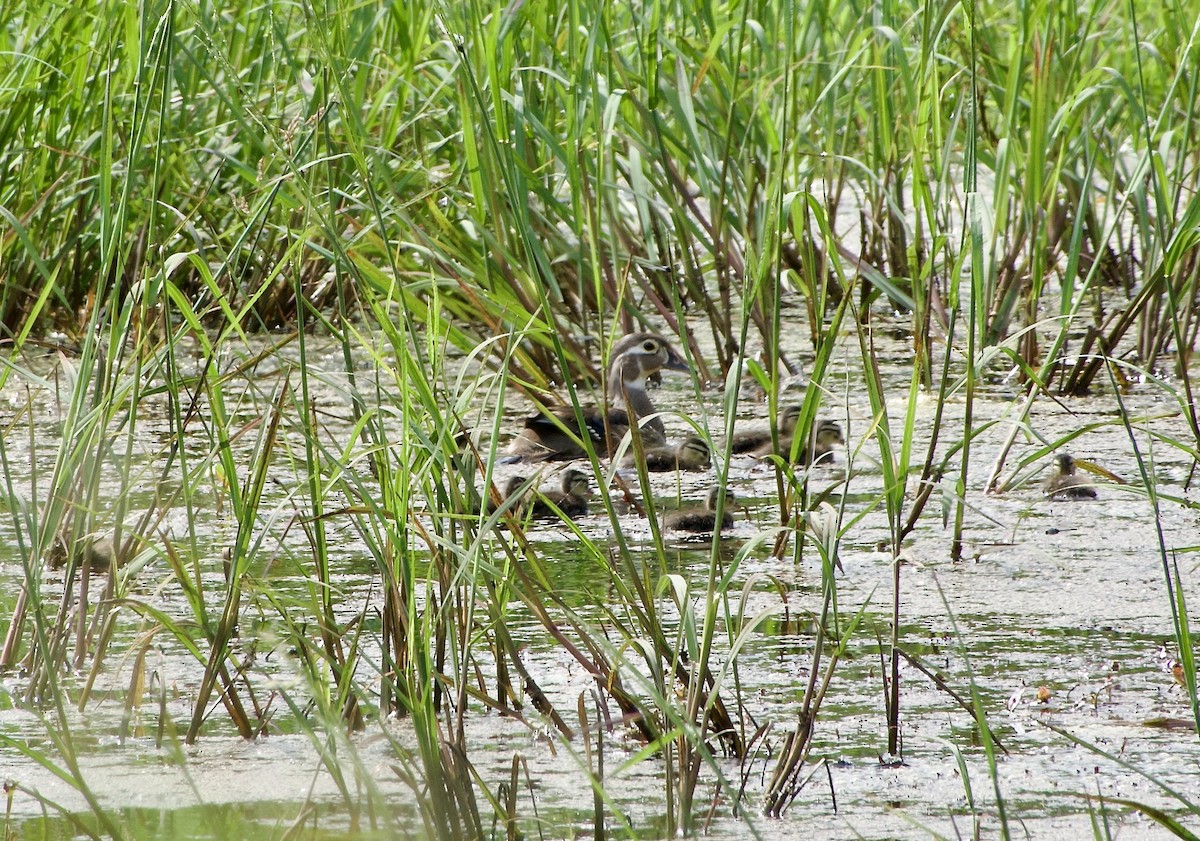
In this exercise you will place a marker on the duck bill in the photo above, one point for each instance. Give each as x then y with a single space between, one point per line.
675 362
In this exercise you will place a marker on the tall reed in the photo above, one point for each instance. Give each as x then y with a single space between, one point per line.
474 201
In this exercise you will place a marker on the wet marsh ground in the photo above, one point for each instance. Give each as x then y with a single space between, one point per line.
1058 613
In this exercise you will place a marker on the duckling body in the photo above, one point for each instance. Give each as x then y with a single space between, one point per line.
571 499
545 436
700 520
828 435
756 441
510 488
99 555
1065 483
95 553
757 437
692 453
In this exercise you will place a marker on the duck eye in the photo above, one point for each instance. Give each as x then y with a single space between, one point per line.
649 346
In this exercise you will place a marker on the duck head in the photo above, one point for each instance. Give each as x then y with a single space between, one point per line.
576 483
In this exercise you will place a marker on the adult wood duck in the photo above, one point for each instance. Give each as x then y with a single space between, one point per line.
692 453
571 499
700 520
1065 483
544 437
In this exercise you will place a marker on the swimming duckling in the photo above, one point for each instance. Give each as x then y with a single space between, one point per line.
692 453
758 436
572 499
95 553
544 438
699 520
827 435
510 488
1065 483
99 554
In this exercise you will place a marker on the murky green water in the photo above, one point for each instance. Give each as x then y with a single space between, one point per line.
1066 599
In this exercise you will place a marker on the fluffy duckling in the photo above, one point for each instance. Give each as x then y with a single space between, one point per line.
99 555
692 453
758 436
827 436
1064 483
571 499
510 488
756 440
643 354
95 553
700 520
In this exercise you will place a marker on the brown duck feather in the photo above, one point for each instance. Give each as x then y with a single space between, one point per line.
1065 483
700 520
555 433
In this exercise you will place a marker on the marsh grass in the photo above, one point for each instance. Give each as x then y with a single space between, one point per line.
475 201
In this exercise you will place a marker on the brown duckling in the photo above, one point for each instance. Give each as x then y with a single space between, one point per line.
571 499
1065 482
692 453
99 555
95 553
828 435
757 437
700 520
756 441
510 488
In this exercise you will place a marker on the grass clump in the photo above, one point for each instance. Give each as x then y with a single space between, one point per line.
474 202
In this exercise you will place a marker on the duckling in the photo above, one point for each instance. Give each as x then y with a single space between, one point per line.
99 554
544 439
757 437
1065 483
692 453
828 434
96 554
572 499
511 487
699 520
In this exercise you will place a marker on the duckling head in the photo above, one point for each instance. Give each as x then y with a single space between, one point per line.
694 452
789 416
1065 464
576 483
513 485
829 433
711 502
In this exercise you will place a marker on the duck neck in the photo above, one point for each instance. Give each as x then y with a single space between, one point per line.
627 390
